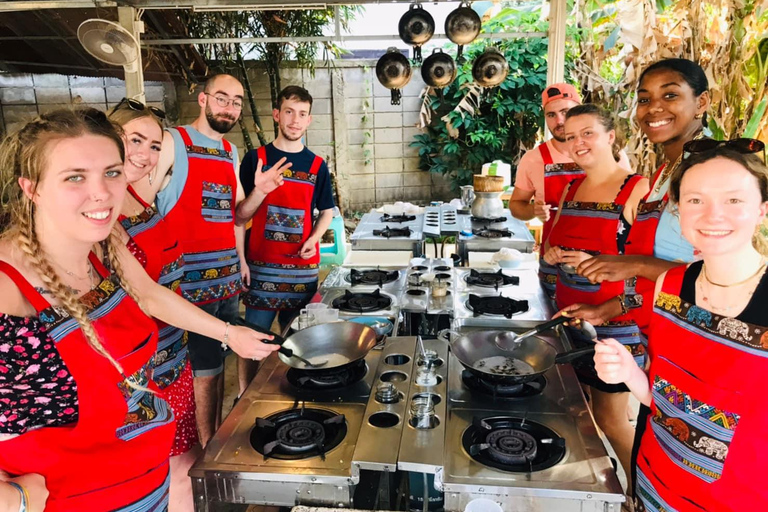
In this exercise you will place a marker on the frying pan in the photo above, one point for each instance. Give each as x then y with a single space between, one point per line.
478 353
339 343
509 339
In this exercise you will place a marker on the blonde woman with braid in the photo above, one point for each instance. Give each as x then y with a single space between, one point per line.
82 425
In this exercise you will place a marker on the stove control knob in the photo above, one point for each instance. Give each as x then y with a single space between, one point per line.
386 393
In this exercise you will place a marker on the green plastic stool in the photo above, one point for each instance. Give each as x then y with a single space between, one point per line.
335 254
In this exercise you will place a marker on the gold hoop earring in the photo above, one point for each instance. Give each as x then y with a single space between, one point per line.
698 116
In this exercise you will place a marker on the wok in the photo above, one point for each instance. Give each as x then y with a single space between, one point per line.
339 343
478 353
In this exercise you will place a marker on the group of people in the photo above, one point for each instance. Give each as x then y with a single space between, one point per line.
123 258
671 271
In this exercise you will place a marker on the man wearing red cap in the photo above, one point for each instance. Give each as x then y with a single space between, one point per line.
544 171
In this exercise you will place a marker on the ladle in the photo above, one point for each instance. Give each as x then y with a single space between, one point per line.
510 340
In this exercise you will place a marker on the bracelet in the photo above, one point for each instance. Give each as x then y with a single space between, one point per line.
24 495
624 309
225 342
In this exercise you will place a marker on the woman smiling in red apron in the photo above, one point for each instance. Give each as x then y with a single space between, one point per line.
596 214
81 422
704 444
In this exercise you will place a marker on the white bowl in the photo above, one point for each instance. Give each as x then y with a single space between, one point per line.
509 263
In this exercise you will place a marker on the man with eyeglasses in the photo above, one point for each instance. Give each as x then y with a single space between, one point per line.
545 171
198 192
283 249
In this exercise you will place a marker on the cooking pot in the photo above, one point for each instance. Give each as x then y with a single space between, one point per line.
490 68
488 205
438 70
462 26
416 27
393 71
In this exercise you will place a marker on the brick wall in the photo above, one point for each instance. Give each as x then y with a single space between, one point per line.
364 138
24 96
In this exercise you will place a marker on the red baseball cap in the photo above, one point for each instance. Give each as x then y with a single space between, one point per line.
560 91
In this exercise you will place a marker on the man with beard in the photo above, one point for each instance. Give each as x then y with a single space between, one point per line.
283 248
198 200
544 171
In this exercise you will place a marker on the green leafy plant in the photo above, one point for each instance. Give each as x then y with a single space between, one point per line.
467 126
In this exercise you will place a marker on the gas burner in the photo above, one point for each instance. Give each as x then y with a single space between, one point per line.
397 218
489 220
490 279
327 379
377 277
513 444
505 391
499 306
362 302
389 232
443 268
443 276
415 292
492 233
419 268
298 433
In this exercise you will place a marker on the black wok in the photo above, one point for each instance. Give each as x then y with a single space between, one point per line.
477 352
338 343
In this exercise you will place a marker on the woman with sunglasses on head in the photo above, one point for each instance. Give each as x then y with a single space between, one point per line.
80 417
157 249
596 213
704 445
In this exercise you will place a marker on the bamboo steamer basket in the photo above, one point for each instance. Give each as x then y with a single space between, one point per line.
483 183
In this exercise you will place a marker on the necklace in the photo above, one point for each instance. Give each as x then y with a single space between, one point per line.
668 169
700 291
88 277
707 279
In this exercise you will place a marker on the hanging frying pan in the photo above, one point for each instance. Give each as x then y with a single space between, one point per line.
393 71
416 27
490 68
438 70
462 26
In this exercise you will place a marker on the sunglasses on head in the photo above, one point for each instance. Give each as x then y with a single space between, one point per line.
742 145
554 91
139 106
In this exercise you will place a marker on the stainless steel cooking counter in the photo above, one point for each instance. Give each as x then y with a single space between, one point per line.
308 437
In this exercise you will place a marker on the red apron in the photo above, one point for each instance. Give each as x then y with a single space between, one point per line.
556 178
116 456
160 254
279 278
592 228
203 219
705 445
640 242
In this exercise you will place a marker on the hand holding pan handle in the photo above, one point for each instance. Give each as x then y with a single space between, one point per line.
279 340
572 355
276 338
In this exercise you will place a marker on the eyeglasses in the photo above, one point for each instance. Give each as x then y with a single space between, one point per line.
225 102
742 145
139 106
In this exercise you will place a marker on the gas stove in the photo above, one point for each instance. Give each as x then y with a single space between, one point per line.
497 309
353 303
509 282
391 279
527 447
490 235
383 232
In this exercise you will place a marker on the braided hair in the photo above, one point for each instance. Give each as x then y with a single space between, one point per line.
24 154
